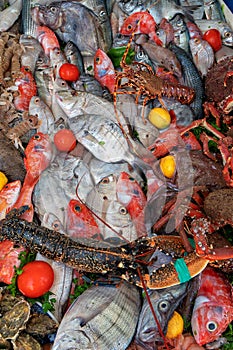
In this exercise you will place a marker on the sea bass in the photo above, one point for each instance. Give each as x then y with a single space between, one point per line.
213 308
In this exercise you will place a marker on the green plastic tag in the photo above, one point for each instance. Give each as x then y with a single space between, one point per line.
182 270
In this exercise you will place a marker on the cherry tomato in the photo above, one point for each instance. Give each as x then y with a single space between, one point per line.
69 72
213 37
64 140
36 279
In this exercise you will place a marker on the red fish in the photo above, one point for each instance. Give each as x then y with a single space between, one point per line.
8 196
141 23
26 88
47 38
8 259
213 308
194 30
81 222
38 155
104 71
131 196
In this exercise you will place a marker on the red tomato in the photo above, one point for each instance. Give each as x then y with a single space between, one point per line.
69 72
36 279
213 37
64 140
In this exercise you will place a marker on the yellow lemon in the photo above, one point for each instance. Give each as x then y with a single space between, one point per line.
175 326
3 180
159 117
168 166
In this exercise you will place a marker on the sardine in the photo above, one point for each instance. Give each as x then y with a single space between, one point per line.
203 55
103 317
165 302
224 29
11 160
191 78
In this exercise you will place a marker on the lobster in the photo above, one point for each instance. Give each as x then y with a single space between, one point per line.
129 261
146 83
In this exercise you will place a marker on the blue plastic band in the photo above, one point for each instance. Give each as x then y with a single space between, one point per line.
182 270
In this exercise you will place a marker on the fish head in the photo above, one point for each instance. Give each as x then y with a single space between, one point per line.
138 22
50 16
209 320
11 189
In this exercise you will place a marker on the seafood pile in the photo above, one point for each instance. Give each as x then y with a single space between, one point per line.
138 198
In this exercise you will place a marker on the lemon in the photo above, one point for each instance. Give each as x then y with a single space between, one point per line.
159 117
3 180
175 326
168 166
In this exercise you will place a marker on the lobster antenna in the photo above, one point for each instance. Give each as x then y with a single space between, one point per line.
98 217
152 309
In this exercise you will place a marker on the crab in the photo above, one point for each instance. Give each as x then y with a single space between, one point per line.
219 91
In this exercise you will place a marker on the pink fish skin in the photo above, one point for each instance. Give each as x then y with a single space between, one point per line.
213 308
81 221
130 194
47 38
104 71
141 22
8 196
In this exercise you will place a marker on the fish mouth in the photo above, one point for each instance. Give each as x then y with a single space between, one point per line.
150 336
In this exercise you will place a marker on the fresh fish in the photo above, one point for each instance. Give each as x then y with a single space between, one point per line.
88 83
181 33
165 32
224 29
213 10
57 58
103 317
159 9
197 7
130 194
213 308
38 155
73 55
26 87
203 55
9 15
31 51
81 222
191 78
104 70
161 56
8 196
47 39
141 23
11 160
194 30
43 77
224 52
45 116
72 21
165 302
28 25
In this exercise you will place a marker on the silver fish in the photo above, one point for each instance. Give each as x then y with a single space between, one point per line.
164 302
46 118
28 25
43 78
203 55
73 55
31 51
213 10
181 33
224 29
197 7
88 83
103 317
9 15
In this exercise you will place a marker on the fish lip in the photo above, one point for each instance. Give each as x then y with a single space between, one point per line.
150 335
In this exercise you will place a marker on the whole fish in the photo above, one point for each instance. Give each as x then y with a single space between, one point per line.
8 196
141 23
213 10
81 222
191 78
104 70
161 56
181 33
130 194
102 317
165 302
43 77
11 160
38 155
203 55
72 21
73 55
47 39
159 9
224 29
26 88
213 307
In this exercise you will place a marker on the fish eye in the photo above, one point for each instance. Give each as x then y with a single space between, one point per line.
97 59
56 225
211 326
102 13
37 137
227 35
196 40
77 208
105 180
129 27
131 178
53 9
164 306
123 211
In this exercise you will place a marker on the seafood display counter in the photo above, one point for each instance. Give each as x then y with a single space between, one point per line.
116 175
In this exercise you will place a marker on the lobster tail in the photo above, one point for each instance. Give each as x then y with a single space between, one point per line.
184 94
